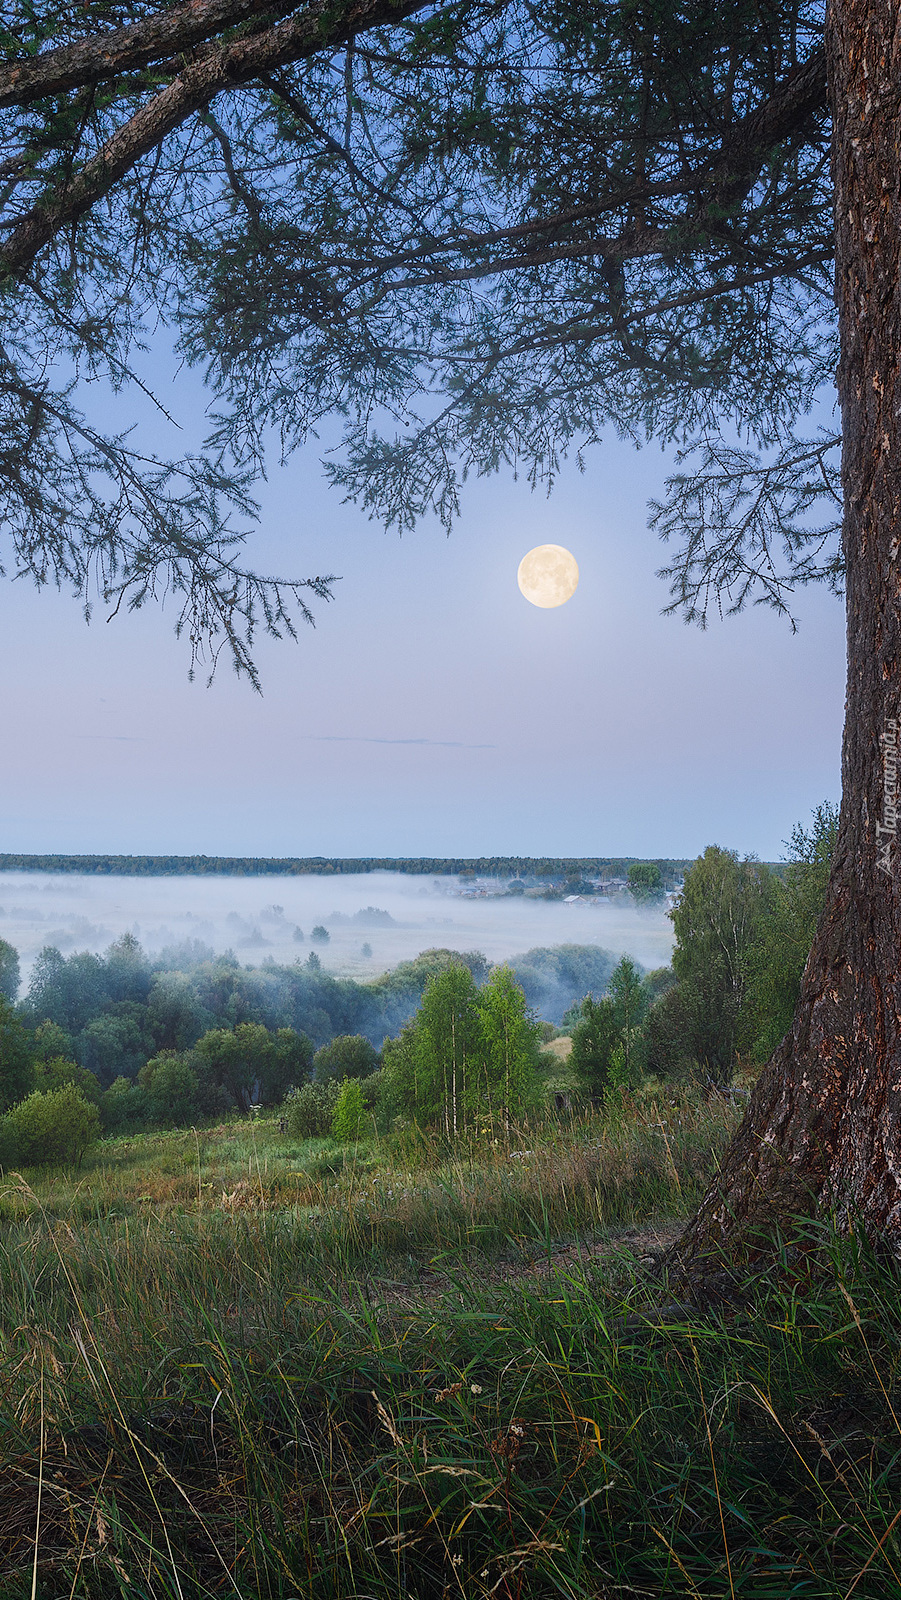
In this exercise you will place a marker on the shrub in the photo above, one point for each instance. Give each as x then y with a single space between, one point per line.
53 1074
308 1111
50 1126
347 1119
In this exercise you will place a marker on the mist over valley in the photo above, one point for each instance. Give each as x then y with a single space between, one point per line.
373 920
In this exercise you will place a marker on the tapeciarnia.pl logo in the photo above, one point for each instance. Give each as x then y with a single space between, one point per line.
887 829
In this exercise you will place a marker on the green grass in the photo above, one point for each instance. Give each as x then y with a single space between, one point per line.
379 1374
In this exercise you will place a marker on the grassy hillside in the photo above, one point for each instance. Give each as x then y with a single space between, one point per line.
237 1365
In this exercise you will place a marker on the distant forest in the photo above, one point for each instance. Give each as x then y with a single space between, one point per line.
299 866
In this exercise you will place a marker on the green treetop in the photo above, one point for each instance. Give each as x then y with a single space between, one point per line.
447 1047
509 1046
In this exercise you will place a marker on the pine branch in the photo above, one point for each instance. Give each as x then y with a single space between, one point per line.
746 526
193 90
100 57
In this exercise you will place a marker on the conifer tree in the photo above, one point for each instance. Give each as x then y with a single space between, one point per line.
483 232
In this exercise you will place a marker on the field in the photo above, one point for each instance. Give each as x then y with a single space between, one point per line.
233 1365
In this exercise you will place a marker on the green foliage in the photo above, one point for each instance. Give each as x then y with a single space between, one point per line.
777 958
127 970
347 1117
68 992
675 1022
176 1013
252 1065
609 1047
411 977
171 1090
16 1067
646 882
299 866
76 1008
308 1110
50 1042
505 1081
743 935
717 921
347 1056
469 1056
118 1041
53 1127
629 996
9 971
293 1060
399 1077
555 978
658 982
55 1073
320 934
594 1038
446 1049
123 1107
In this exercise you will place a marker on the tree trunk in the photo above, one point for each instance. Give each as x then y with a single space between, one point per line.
823 1128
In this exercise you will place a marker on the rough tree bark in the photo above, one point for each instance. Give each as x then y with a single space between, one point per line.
823 1128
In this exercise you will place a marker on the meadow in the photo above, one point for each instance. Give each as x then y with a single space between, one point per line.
237 1364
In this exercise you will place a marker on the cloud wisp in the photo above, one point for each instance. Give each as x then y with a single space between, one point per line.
352 738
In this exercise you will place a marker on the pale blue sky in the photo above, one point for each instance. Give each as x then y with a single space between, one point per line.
432 711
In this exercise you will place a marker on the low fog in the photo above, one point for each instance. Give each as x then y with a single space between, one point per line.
391 915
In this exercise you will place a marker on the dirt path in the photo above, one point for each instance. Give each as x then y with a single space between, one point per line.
641 1245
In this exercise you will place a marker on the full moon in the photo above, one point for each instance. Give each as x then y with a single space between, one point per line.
548 575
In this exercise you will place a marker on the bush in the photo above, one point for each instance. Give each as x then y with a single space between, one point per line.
53 1074
347 1119
50 1127
308 1111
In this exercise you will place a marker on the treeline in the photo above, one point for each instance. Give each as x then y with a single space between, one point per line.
117 1043
469 1056
112 1013
301 866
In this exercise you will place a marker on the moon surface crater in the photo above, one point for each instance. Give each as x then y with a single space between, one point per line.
548 575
